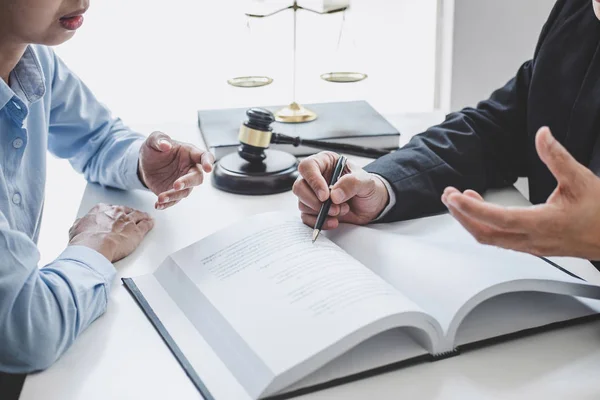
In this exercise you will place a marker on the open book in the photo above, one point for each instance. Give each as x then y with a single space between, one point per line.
257 310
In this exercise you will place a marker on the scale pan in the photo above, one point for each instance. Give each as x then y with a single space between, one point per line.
250 81
344 77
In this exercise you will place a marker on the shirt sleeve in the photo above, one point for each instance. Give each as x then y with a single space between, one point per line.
82 130
43 310
391 198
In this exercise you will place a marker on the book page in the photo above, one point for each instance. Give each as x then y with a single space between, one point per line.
519 311
272 299
383 350
436 263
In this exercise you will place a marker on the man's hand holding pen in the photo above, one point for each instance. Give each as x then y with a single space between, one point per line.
357 197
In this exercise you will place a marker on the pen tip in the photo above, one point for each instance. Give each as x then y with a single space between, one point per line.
315 235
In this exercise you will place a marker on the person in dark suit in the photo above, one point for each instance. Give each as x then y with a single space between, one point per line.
544 124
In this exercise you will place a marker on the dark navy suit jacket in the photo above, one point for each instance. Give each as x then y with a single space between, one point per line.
490 146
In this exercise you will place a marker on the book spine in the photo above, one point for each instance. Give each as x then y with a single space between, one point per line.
139 298
446 354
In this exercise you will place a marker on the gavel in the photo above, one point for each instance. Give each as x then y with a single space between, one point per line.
256 134
257 170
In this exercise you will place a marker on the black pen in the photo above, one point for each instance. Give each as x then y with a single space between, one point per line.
337 173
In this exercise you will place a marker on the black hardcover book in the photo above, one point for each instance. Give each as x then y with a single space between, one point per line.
11 385
353 122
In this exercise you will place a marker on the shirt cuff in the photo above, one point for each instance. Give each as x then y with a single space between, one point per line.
94 262
392 198
130 173
92 259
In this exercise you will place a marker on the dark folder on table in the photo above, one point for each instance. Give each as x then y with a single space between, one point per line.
352 122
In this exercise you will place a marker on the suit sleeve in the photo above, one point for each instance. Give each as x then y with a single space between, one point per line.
477 148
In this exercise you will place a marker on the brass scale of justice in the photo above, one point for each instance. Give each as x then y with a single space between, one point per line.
257 170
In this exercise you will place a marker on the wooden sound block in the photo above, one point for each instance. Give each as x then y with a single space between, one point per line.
276 174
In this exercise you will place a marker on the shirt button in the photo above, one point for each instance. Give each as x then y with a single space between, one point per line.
16 198
17 143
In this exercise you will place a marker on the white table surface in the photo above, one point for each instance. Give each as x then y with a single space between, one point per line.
122 357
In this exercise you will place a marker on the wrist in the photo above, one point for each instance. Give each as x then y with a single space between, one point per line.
385 195
382 195
102 245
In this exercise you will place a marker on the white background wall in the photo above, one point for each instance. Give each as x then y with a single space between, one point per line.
156 60
491 40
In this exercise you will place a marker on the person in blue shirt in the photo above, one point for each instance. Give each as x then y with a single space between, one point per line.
44 106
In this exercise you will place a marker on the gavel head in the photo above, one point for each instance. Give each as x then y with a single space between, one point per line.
255 135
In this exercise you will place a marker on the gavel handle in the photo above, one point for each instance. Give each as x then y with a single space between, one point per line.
369 152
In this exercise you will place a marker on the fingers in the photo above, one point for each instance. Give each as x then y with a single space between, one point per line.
123 215
145 226
563 166
308 202
138 216
470 193
475 228
312 169
353 184
171 196
479 229
110 207
170 204
310 212
485 234
207 161
193 178
520 229
203 158
123 209
99 207
311 220
306 194
473 194
116 213
334 211
509 219
160 141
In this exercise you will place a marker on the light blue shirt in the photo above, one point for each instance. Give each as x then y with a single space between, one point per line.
46 107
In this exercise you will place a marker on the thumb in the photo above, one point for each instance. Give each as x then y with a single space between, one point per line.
160 142
563 166
356 183
473 194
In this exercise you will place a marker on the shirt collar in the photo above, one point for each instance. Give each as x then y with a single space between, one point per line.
27 80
